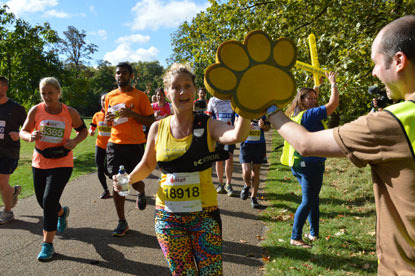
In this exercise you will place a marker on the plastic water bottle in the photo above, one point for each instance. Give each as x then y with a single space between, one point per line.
122 178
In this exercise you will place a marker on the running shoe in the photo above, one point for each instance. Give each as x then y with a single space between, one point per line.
254 203
220 189
106 194
141 202
121 229
245 192
6 217
229 190
63 220
46 253
17 191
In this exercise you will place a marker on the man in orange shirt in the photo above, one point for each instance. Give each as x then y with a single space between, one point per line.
127 110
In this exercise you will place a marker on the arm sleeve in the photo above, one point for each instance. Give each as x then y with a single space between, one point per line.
371 139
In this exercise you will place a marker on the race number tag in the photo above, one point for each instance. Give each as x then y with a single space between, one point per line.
181 192
2 129
225 117
52 131
104 129
254 133
116 111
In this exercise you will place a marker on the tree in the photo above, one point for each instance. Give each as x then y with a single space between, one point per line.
75 47
344 31
148 76
26 55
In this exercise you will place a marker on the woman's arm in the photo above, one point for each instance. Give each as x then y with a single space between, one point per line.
227 134
148 162
26 133
334 96
81 130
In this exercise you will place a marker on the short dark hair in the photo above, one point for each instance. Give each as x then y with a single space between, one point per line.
4 80
399 35
126 65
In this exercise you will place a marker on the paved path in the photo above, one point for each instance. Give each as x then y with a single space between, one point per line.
87 247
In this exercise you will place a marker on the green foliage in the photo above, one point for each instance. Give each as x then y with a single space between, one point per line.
26 56
344 32
347 221
148 76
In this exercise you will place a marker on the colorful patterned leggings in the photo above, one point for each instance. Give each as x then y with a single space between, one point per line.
191 242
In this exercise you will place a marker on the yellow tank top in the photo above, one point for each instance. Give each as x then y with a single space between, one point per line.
169 148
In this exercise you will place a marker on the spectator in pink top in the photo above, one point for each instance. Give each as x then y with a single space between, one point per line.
161 107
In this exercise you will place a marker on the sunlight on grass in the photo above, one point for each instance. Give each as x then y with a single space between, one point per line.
347 222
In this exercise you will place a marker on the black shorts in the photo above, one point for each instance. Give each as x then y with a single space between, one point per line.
8 165
253 153
128 155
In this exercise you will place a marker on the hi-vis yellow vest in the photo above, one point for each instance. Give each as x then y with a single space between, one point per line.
287 156
404 112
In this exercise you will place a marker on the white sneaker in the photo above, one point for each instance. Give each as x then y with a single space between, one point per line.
6 217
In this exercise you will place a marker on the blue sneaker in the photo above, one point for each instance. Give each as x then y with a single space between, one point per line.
63 220
121 229
46 253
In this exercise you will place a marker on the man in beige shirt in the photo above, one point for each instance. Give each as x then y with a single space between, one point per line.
383 140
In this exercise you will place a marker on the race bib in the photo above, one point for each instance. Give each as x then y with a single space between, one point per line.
225 117
104 129
52 131
181 192
254 133
116 111
2 129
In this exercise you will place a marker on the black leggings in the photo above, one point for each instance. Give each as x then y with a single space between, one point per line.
49 185
101 162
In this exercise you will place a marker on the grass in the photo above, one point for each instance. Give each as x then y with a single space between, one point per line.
84 163
347 222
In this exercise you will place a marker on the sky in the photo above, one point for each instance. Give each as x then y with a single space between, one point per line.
123 30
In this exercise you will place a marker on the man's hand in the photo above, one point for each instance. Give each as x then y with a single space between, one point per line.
14 135
127 112
109 117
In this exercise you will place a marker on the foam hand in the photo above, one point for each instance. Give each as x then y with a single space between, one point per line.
254 74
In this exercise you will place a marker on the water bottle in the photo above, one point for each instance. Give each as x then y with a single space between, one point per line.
122 178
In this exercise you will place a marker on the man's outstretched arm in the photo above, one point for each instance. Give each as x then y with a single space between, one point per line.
320 143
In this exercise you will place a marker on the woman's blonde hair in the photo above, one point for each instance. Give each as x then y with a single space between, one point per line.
296 105
50 81
177 68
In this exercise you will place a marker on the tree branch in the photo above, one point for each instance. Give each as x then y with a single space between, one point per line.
315 18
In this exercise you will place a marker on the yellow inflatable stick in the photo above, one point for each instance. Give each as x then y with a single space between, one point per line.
314 57
314 68
254 74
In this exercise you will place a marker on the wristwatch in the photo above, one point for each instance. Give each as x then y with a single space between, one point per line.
272 110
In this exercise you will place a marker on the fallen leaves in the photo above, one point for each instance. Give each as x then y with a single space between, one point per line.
266 259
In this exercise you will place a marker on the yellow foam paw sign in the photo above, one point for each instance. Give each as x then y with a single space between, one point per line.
253 75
